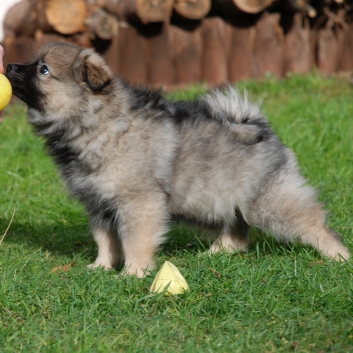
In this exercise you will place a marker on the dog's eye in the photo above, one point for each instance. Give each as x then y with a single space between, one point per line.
44 70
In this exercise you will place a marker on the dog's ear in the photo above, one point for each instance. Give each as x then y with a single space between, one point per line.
90 68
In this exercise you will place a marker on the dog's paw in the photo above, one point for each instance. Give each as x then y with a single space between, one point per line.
96 264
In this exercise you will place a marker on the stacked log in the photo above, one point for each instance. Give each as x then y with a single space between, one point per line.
178 42
160 55
214 59
192 9
187 53
346 61
144 11
237 7
298 52
268 46
133 58
240 38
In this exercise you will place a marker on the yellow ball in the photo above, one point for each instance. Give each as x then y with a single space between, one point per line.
5 91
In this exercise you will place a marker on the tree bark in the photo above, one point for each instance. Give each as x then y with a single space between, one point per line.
214 58
268 46
298 54
160 55
132 55
187 53
346 60
113 56
327 50
240 51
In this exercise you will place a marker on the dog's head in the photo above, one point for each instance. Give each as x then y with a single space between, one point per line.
61 76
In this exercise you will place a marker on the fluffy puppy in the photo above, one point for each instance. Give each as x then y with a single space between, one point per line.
137 160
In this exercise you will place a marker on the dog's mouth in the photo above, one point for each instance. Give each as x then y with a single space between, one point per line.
23 82
15 79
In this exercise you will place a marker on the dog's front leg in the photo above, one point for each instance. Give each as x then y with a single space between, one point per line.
109 249
142 225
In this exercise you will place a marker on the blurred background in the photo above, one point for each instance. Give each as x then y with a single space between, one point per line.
174 43
5 5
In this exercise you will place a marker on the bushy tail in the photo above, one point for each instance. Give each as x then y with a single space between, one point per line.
243 118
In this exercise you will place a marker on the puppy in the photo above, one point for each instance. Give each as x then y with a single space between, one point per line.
137 160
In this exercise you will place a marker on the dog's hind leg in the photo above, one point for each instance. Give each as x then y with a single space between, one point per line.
288 208
232 237
109 249
327 241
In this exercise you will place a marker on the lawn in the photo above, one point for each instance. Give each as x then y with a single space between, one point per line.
275 298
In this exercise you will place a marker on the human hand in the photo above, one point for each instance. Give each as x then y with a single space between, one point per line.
1 70
1 60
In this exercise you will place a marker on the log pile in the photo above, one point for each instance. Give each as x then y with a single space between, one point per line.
178 42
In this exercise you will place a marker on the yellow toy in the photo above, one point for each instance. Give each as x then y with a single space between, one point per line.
5 91
169 274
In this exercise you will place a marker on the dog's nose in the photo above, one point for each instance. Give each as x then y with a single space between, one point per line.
11 67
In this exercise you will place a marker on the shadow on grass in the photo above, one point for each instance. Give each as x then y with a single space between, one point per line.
62 238
185 237
56 237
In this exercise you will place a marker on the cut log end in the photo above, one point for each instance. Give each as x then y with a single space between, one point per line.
102 25
153 10
253 6
66 16
192 9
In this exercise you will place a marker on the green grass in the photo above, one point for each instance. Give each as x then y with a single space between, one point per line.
273 299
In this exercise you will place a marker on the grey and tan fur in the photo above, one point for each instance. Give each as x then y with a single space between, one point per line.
136 160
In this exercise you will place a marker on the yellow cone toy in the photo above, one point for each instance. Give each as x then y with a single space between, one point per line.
169 274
